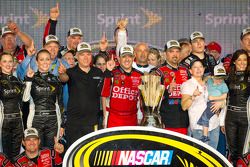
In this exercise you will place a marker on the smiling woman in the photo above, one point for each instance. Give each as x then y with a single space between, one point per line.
11 127
237 116
44 92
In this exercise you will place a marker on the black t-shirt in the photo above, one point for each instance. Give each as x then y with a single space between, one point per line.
84 94
208 61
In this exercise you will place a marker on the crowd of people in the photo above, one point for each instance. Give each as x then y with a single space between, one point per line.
60 93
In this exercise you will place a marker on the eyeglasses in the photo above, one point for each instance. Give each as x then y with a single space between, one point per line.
101 64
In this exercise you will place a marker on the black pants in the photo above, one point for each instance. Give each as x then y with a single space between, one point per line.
12 135
75 129
47 128
236 125
25 111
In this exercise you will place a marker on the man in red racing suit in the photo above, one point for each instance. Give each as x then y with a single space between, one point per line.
122 89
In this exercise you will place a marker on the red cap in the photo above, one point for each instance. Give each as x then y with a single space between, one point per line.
214 46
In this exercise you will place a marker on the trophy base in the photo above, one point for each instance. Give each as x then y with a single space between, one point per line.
152 120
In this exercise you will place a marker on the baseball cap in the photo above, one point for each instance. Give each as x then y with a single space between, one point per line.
83 46
171 44
63 52
196 34
51 38
126 50
31 132
6 30
75 31
219 71
214 46
244 32
183 41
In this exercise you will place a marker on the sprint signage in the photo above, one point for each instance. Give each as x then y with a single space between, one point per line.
141 146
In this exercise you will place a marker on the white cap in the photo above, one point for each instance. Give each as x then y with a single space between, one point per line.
30 132
6 30
244 32
126 50
83 46
171 44
51 38
75 31
219 70
195 35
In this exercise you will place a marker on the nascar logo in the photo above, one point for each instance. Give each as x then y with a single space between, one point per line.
132 158
141 146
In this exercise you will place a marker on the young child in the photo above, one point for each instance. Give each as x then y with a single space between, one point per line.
217 91
121 34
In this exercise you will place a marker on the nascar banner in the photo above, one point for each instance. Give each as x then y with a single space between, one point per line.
141 146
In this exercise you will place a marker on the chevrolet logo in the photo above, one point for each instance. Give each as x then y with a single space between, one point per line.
126 49
173 43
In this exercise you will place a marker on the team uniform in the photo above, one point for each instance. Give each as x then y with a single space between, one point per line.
4 161
173 117
44 91
122 89
19 53
46 158
11 126
84 102
237 116
209 62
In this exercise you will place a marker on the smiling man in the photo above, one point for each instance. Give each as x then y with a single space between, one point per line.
172 76
33 156
122 89
85 84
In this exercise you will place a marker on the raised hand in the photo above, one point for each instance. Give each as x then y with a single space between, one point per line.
30 72
13 27
111 63
31 50
172 85
62 68
103 42
55 12
58 147
61 133
197 92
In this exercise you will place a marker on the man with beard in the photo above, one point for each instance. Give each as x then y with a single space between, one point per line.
172 76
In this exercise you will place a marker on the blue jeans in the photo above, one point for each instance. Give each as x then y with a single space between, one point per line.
222 144
206 115
213 136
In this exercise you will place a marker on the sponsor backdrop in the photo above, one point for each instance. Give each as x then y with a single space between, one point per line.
141 146
152 21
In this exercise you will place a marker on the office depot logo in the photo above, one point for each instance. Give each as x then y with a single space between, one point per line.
141 146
